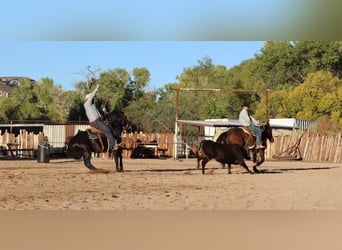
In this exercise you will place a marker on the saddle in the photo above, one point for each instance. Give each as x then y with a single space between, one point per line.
94 134
248 131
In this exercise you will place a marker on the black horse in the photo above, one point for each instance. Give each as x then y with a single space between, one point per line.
84 143
247 140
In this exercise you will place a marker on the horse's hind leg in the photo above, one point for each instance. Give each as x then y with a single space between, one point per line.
86 160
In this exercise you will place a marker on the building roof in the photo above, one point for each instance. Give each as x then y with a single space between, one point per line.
284 123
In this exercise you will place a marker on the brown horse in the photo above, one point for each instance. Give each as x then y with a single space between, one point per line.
247 140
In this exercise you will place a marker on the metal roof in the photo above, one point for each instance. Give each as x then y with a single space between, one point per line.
211 123
286 123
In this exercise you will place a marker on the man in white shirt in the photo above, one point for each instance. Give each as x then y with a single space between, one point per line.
247 120
95 119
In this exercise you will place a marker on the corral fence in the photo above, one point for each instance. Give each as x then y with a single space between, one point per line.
296 145
308 146
24 144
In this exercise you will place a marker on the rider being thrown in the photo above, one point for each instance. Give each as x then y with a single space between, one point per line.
95 119
247 120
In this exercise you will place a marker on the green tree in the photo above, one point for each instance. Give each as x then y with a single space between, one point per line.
8 108
22 104
313 56
199 105
319 95
50 101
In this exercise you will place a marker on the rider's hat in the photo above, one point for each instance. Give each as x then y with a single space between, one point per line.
245 105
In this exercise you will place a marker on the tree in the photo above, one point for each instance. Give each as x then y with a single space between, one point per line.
50 101
319 95
199 105
313 56
22 103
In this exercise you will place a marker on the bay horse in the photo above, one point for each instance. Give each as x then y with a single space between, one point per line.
84 143
247 139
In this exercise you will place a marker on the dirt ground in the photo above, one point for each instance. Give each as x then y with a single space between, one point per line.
168 184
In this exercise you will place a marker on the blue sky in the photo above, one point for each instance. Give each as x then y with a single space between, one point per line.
150 19
66 62
60 39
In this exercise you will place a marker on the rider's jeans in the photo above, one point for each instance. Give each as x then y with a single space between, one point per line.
103 127
259 133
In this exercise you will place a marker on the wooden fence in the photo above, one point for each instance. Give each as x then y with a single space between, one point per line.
22 145
308 146
26 142
164 143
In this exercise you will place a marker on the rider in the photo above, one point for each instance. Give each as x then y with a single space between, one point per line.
247 120
95 120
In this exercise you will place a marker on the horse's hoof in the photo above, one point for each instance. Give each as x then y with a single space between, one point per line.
256 170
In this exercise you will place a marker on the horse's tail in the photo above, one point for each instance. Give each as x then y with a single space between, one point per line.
222 137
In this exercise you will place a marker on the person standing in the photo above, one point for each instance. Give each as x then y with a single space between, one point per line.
247 120
95 119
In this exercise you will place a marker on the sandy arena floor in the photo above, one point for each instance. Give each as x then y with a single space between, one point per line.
155 184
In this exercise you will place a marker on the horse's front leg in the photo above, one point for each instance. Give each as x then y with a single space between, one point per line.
260 156
255 164
118 160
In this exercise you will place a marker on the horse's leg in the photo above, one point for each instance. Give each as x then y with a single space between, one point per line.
246 154
229 168
86 160
254 151
118 160
80 150
261 158
204 161
244 165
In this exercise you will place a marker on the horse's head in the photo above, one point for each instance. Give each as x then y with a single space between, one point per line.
267 132
118 122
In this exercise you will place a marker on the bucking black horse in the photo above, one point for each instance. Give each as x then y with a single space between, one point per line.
84 143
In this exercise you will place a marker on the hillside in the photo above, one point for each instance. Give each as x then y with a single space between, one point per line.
7 84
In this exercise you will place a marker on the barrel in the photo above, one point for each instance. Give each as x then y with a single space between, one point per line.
43 153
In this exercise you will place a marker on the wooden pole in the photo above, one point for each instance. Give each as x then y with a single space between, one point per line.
177 104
